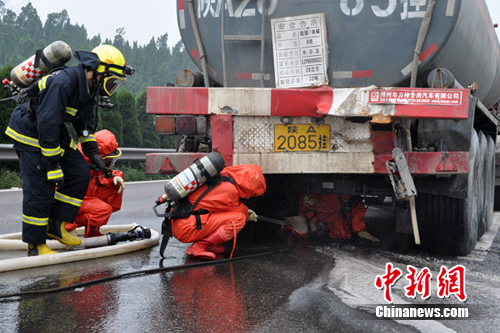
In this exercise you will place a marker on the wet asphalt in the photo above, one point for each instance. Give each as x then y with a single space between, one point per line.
275 284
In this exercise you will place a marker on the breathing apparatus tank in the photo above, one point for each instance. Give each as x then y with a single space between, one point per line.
194 176
43 61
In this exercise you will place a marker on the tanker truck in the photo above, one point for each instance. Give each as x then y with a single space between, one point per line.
378 99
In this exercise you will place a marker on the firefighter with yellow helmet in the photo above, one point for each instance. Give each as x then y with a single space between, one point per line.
55 174
111 70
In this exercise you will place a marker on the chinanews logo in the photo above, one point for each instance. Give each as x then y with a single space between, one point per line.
449 281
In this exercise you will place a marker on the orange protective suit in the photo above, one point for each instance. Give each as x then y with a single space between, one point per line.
227 215
327 209
102 197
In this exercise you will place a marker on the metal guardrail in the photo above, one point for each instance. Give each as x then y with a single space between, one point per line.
8 153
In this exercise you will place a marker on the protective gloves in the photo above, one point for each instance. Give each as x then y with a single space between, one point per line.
365 235
96 162
91 150
308 201
118 181
53 168
252 216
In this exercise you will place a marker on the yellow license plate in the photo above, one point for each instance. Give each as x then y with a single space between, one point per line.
301 137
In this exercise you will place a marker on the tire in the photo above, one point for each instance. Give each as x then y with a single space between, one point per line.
480 184
449 225
489 188
496 202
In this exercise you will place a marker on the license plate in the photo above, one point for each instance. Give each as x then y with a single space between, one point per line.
301 137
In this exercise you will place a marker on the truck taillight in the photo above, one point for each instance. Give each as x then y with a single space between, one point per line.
182 125
185 125
165 125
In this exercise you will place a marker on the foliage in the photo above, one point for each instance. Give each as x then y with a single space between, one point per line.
156 64
149 137
127 107
9 178
6 107
111 119
136 171
132 171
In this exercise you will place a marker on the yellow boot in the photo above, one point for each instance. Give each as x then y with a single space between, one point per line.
39 250
57 230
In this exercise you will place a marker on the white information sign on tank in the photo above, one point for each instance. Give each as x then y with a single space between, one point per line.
300 51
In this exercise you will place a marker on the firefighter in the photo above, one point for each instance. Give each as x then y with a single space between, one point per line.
48 156
223 215
105 191
341 215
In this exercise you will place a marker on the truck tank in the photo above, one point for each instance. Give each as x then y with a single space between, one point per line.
369 42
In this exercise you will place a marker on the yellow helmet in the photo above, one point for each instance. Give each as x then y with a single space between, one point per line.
112 67
111 58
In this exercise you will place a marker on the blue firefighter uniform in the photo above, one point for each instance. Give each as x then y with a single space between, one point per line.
55 175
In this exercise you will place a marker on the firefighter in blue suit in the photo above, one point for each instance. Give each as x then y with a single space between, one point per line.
55 175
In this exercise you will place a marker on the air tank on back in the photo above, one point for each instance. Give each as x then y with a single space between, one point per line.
54 55
369 42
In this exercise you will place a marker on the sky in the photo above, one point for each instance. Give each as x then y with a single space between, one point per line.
141 22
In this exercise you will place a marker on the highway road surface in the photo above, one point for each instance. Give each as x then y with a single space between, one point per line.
277 284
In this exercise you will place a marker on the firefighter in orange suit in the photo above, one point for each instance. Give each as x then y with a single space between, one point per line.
223 214
341 215
105 191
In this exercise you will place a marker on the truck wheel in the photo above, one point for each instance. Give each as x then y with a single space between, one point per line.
489 195
449 225
481 183
496 205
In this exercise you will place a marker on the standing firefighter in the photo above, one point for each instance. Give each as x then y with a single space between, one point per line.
105 191
47 153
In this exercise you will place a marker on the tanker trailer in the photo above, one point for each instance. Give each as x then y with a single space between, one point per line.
369 98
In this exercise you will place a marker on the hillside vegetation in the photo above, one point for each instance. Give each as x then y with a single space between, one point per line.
156 64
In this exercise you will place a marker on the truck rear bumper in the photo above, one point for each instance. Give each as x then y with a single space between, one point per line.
419 163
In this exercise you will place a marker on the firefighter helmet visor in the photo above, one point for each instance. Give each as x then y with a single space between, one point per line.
110 159
111 83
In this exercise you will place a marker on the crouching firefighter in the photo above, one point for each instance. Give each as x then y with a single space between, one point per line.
213 213
105 192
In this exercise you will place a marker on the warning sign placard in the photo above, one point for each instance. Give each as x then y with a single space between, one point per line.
300 51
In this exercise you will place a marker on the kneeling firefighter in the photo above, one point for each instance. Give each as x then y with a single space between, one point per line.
213 213
340 215
105 192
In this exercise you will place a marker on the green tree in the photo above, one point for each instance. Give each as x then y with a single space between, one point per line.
6 107
112 121
29 22
9 34
131 132
155 62
55 24
119 40
146 122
